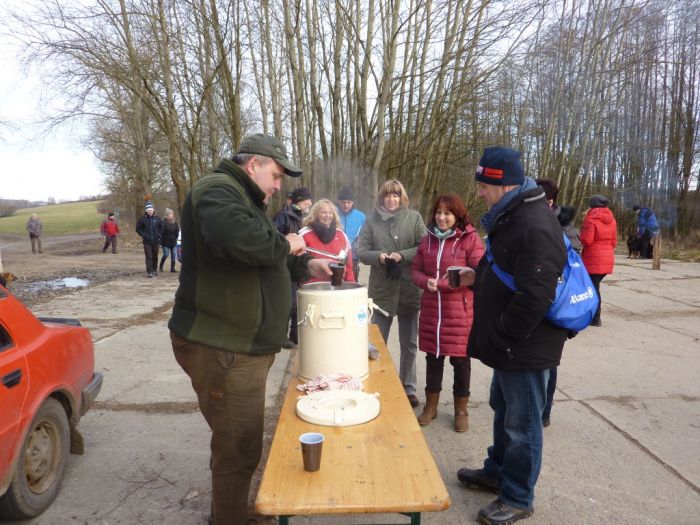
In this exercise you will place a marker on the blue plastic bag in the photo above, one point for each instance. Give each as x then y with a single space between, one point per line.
575 302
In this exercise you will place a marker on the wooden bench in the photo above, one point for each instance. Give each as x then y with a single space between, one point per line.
383 466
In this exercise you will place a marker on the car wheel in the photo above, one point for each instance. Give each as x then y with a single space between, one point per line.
41 465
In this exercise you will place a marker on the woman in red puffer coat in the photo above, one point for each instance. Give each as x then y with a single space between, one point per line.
599 238
446 313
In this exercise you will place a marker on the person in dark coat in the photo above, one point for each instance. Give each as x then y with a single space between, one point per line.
509 332
446 313
150 228
566 216
171 230
599 238
289 220
232 307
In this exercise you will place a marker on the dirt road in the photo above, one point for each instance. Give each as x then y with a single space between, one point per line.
76 256
622 447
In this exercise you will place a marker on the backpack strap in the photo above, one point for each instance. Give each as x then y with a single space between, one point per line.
504 276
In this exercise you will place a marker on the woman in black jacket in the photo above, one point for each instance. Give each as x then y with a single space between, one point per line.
170 233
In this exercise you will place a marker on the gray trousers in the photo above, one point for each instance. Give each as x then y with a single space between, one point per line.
36 243
408 342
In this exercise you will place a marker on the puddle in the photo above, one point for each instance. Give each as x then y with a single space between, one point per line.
58 284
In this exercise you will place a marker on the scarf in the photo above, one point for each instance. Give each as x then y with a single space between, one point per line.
488 219
442 234
325 233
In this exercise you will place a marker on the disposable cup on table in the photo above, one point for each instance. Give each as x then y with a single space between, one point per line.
311 447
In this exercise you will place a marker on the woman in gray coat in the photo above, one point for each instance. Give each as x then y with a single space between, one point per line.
388 243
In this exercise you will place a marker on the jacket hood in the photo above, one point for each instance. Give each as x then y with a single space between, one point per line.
566 215
603 215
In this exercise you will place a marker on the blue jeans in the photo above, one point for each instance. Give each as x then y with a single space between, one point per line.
168 251
517 398
551 387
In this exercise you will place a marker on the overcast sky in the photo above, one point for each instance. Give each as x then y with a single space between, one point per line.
56 166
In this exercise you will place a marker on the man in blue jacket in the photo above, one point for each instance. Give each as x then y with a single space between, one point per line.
509 332
647 229
352 221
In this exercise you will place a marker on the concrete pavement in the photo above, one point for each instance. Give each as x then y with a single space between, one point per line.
623 446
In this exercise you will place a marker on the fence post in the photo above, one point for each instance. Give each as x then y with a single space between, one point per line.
656 243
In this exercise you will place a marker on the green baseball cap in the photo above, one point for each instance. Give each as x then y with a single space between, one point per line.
268 146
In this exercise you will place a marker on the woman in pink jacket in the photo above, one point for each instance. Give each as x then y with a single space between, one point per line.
599 238
446 313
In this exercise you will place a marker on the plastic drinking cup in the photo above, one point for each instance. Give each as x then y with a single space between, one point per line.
311 447
453 276
338 273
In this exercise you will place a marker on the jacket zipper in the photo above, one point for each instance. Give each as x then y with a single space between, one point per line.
441 245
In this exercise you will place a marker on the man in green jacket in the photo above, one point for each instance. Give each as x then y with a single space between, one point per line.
232 307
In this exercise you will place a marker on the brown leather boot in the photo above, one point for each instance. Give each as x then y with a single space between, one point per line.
430 408
461 414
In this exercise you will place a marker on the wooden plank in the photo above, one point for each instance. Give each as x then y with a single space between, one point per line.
382 466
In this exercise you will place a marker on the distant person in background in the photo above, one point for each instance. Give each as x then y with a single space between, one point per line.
647 229
321 231
34 227
352 220
446 313
171 231
289 220
110 231
388 243
150 228
566 216
599 238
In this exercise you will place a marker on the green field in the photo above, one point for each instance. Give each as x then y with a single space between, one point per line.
73 217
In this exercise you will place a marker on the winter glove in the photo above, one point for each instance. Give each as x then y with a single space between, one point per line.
393 270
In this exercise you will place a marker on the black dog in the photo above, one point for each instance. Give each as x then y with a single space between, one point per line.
634 246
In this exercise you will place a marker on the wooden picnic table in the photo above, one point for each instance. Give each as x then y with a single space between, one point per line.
383 466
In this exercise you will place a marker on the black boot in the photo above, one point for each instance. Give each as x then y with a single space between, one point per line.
160 266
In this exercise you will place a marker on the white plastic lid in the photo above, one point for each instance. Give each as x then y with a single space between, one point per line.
338 408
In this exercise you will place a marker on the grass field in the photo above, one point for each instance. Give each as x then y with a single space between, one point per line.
73 217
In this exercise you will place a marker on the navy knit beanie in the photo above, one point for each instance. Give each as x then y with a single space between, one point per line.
500 166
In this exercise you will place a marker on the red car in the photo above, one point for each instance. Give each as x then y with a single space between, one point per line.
48 383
